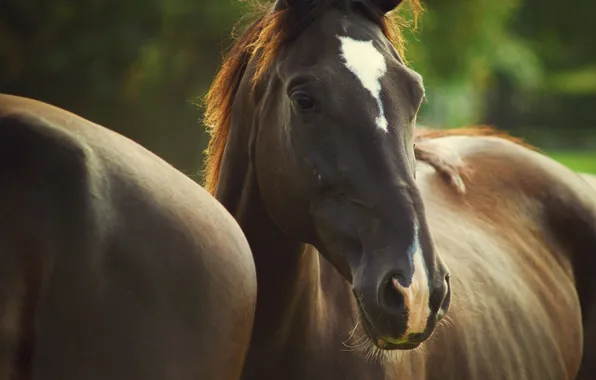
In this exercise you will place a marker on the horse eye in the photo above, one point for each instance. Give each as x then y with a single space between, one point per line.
303 102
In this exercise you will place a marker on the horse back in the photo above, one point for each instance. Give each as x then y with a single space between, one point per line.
590 178
515 311
114 264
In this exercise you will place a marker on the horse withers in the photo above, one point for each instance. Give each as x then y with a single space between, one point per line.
362 252
114 265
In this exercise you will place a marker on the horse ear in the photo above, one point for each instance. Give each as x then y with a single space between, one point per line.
386 5
279 5
283 4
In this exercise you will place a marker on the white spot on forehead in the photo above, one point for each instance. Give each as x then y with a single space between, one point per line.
369 66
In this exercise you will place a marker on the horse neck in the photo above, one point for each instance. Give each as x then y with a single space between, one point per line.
299 293
304 306
289 301
288 274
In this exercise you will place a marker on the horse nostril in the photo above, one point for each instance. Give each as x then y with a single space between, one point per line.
447 295
392 299
400 278
445 302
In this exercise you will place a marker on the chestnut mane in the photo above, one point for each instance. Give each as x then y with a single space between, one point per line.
266 36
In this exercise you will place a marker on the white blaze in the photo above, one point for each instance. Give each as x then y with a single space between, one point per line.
369 66
417 295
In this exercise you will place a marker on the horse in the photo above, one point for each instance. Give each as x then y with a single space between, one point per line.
114 265
376 258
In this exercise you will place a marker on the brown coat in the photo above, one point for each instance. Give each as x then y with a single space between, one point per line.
113 265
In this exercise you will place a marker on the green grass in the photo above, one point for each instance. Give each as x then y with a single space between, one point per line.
580 161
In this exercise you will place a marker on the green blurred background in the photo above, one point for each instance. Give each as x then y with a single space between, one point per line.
140 67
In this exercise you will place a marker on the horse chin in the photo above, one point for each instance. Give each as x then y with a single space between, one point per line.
379 341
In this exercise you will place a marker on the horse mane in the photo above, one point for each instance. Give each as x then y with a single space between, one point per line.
266 36
448 164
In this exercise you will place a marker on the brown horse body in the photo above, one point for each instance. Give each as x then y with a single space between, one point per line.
114 265
515 310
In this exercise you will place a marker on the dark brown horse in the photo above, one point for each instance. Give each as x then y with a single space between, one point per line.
312 116
113 265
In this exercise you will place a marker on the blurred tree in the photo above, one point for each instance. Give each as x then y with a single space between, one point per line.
135 66
458 48
558 113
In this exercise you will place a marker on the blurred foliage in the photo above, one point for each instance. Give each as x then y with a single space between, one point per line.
459 58
582 161
139 66
133 66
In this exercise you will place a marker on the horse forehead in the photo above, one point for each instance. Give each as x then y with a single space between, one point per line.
364 60
368 64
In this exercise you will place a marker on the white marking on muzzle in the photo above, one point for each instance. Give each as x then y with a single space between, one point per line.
369 66
417 295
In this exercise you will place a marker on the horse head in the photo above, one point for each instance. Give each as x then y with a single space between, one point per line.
331 107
